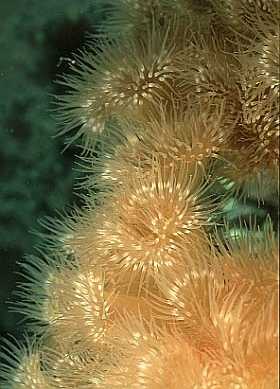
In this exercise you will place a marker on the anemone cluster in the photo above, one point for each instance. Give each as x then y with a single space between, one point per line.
147 286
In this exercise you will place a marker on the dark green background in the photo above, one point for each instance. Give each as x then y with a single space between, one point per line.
36 178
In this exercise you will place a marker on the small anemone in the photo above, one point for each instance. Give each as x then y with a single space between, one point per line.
155 222
127 79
